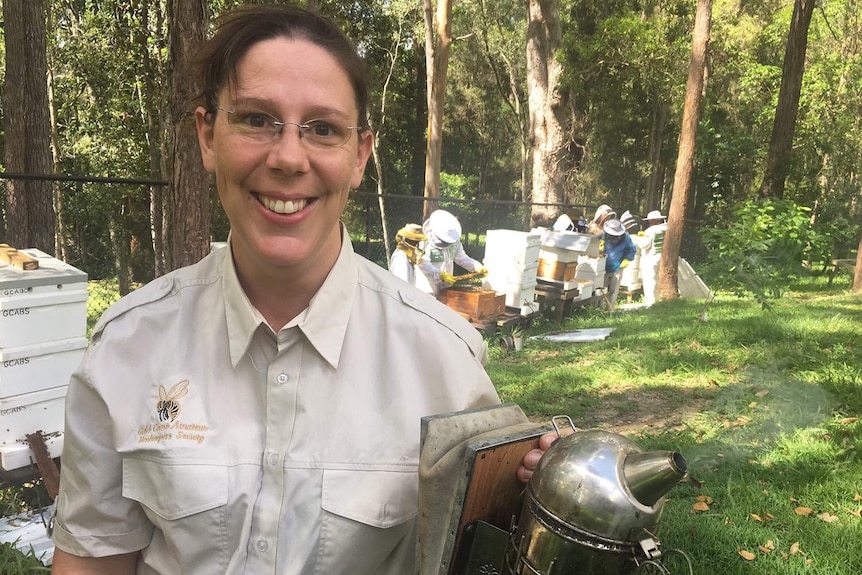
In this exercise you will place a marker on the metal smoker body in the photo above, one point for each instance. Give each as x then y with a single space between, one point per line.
592 507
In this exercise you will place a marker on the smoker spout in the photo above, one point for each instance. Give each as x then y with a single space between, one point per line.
650 475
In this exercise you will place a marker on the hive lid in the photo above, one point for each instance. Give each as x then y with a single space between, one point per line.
45 348
51 272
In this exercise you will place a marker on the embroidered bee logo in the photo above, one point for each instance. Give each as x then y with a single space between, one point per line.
168 406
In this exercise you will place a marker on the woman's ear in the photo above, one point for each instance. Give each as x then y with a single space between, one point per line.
205 124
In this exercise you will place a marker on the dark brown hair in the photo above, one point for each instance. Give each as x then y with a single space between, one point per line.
240 29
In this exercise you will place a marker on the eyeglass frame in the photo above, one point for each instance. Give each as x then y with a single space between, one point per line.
303 129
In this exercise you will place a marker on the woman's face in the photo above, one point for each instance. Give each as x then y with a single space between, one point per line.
284 196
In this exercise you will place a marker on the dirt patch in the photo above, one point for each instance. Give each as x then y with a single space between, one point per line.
650 410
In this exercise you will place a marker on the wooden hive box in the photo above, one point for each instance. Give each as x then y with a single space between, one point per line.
474 302
557 270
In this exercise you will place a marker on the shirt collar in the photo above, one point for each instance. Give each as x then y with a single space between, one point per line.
324 322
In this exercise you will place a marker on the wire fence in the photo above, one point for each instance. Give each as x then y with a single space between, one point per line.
102 232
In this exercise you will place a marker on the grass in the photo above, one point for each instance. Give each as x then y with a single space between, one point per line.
763 405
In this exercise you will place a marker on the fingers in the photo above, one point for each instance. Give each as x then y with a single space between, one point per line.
529 464
531 459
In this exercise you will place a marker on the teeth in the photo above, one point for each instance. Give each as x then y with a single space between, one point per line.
282 207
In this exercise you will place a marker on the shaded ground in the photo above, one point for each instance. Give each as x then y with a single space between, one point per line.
650 410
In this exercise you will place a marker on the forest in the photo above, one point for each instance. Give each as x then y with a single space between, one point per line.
112 120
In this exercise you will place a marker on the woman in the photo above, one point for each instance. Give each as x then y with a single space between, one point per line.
259 411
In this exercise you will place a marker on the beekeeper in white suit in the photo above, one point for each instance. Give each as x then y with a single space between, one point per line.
443 250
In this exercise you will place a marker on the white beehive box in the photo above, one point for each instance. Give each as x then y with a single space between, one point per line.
631 276
41 366
586 244
520 249
590 268
562 255
499 274
18 455
27 413
41 305
517 295
585 289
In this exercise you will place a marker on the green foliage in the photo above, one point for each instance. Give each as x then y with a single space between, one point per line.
760 246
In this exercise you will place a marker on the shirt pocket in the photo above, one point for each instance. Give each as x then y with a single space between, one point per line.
187 503
368 516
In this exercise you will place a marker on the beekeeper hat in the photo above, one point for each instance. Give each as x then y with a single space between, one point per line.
563 223
604 210
411 233
654 215
441 227
614 228
628 220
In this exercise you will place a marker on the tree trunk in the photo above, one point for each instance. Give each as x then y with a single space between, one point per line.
438 68
151 96
857 273
667 280
653 197
547 109
27 126
780 145
189 193
61 240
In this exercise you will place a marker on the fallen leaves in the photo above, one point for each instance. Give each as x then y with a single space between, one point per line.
804 511
702 503
769 547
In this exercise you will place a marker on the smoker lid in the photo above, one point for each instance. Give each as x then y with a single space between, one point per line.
51 271
580 482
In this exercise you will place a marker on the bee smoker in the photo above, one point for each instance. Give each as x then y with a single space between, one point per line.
592 507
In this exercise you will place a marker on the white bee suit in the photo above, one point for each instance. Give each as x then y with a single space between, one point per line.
438 260
652 245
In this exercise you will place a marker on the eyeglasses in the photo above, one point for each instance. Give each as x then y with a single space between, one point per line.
263 128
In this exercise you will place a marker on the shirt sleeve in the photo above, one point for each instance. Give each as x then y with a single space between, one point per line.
93 519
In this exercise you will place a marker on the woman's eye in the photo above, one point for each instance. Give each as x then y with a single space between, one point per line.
322 129
257 120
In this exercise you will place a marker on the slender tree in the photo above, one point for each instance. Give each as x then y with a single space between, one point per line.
667 280
189 194
437 57
548 108
27 126
857 273
778 158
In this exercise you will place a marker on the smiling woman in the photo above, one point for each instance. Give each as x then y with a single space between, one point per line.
259 411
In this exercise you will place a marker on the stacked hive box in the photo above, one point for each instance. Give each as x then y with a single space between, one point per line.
512 259
570 260
43 323
631 276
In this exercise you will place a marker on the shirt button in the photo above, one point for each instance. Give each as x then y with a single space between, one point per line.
272 458
281 378
262 545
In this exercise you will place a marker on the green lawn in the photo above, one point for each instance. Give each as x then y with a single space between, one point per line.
763 405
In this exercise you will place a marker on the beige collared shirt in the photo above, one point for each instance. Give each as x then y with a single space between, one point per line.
196 434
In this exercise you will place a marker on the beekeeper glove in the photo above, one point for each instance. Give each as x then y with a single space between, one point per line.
601 245
624 264
482 270
642 233
447 278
